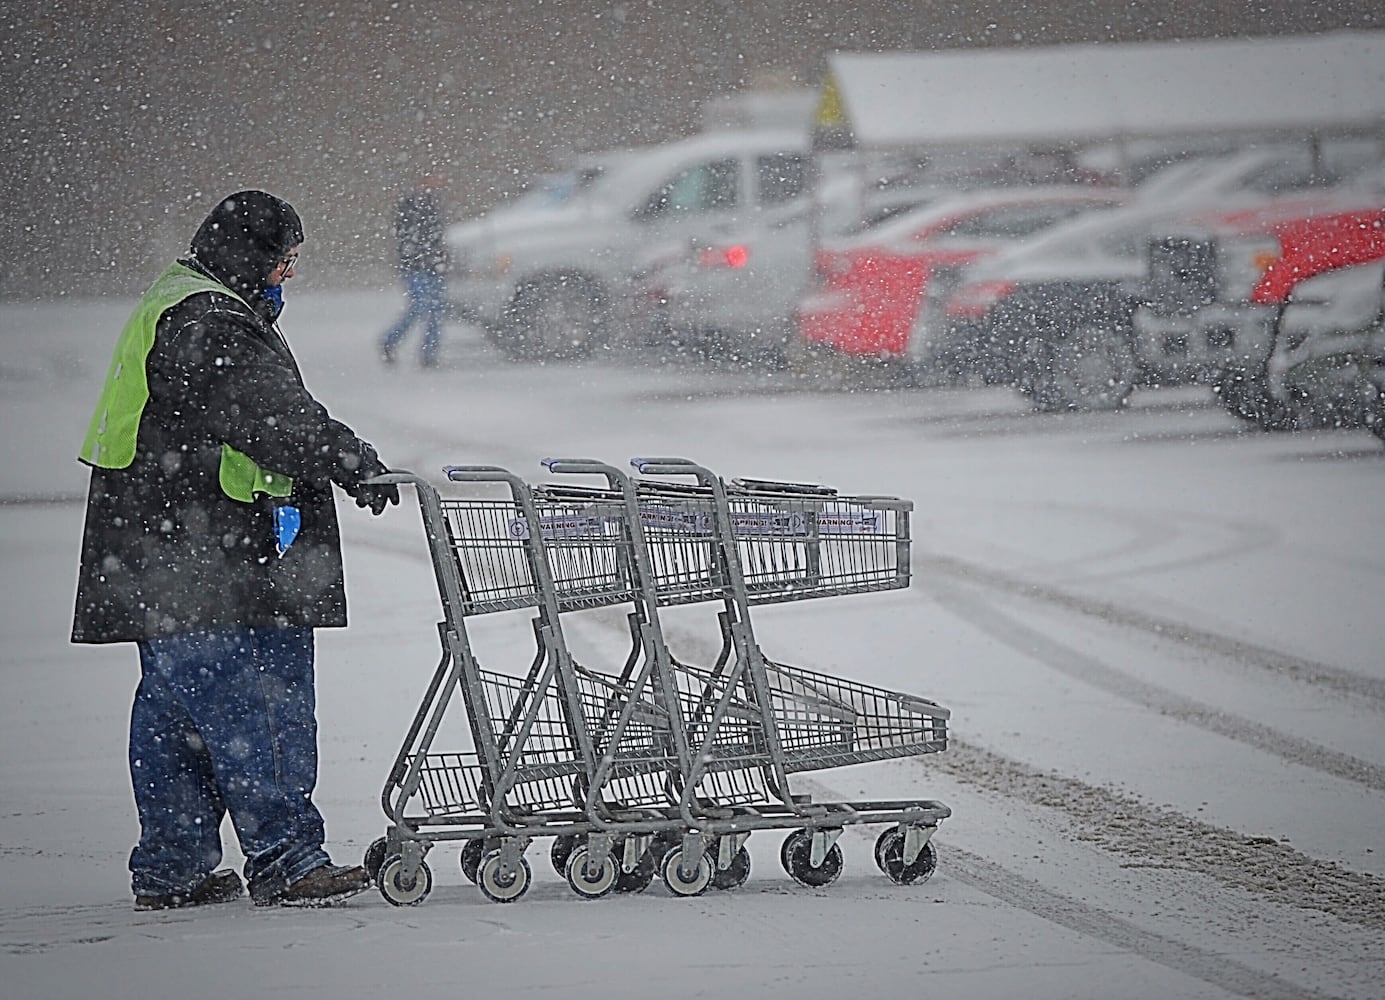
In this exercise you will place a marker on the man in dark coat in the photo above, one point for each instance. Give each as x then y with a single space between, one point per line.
422 267
211 541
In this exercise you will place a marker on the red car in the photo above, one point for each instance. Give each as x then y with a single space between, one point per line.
870 286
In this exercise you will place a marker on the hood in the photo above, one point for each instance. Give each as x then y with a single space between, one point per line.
243 238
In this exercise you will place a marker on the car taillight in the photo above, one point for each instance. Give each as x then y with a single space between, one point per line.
1242 264
732 256
975 300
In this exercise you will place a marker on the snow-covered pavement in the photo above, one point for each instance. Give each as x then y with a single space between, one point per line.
1160 637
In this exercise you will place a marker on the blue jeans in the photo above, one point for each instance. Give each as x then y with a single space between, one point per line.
425 289
224 720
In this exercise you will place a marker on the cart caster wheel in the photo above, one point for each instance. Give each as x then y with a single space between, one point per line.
398 892
796 852
590 878
881 843
784 851
502 889
889 855
375 857
679 885
638 879
472 853
733 877
561 850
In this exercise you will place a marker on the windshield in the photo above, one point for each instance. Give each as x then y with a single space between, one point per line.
1110 231
555 190
1174 178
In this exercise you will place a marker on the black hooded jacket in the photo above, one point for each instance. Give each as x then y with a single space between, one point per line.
165 550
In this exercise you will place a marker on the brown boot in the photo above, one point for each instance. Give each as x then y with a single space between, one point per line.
218 887
323 886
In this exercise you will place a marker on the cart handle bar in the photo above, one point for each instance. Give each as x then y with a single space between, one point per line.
395 478
482 474
672 467
456 473
577 465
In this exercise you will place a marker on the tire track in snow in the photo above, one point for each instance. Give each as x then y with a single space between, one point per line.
1341 682
1235 866
1152 836
1210 967
1097 674
1148 533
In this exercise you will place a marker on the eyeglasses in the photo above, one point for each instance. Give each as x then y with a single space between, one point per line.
287 264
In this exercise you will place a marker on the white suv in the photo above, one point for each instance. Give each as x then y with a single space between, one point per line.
550 281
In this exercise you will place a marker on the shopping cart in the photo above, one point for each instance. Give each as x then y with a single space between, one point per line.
534 738
750 722
657 763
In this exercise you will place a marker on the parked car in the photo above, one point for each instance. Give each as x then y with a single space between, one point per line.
870 286
1054 315
1218 289
551 281
730 293
1327 364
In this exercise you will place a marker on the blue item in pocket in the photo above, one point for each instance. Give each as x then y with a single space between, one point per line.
287 521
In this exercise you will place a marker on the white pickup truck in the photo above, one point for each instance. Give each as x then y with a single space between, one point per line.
551 280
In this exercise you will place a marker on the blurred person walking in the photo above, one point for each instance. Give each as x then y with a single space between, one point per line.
211 542
418 227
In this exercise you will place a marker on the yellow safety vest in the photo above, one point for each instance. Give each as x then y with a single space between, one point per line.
114 429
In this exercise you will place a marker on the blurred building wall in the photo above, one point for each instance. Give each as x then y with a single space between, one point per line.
124 121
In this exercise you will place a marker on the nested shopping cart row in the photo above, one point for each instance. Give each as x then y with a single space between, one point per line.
646 764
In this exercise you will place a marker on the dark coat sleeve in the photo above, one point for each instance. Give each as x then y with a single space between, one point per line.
226 364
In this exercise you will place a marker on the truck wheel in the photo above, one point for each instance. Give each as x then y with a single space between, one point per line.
766 347
1092 368
1375 409
815 365
1245 394
556 318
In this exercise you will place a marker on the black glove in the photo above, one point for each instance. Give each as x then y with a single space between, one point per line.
375 496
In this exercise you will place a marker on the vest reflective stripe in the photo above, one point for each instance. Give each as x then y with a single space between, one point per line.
114 429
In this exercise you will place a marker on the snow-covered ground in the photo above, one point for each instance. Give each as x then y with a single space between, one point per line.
1160 636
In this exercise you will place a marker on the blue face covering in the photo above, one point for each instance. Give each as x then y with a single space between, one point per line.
274 295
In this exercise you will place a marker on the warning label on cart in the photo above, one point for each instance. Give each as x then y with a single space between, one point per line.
766 523
665 519
795 524
560 526
852 522
774 523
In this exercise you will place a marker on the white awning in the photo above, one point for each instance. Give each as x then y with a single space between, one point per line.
974 97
